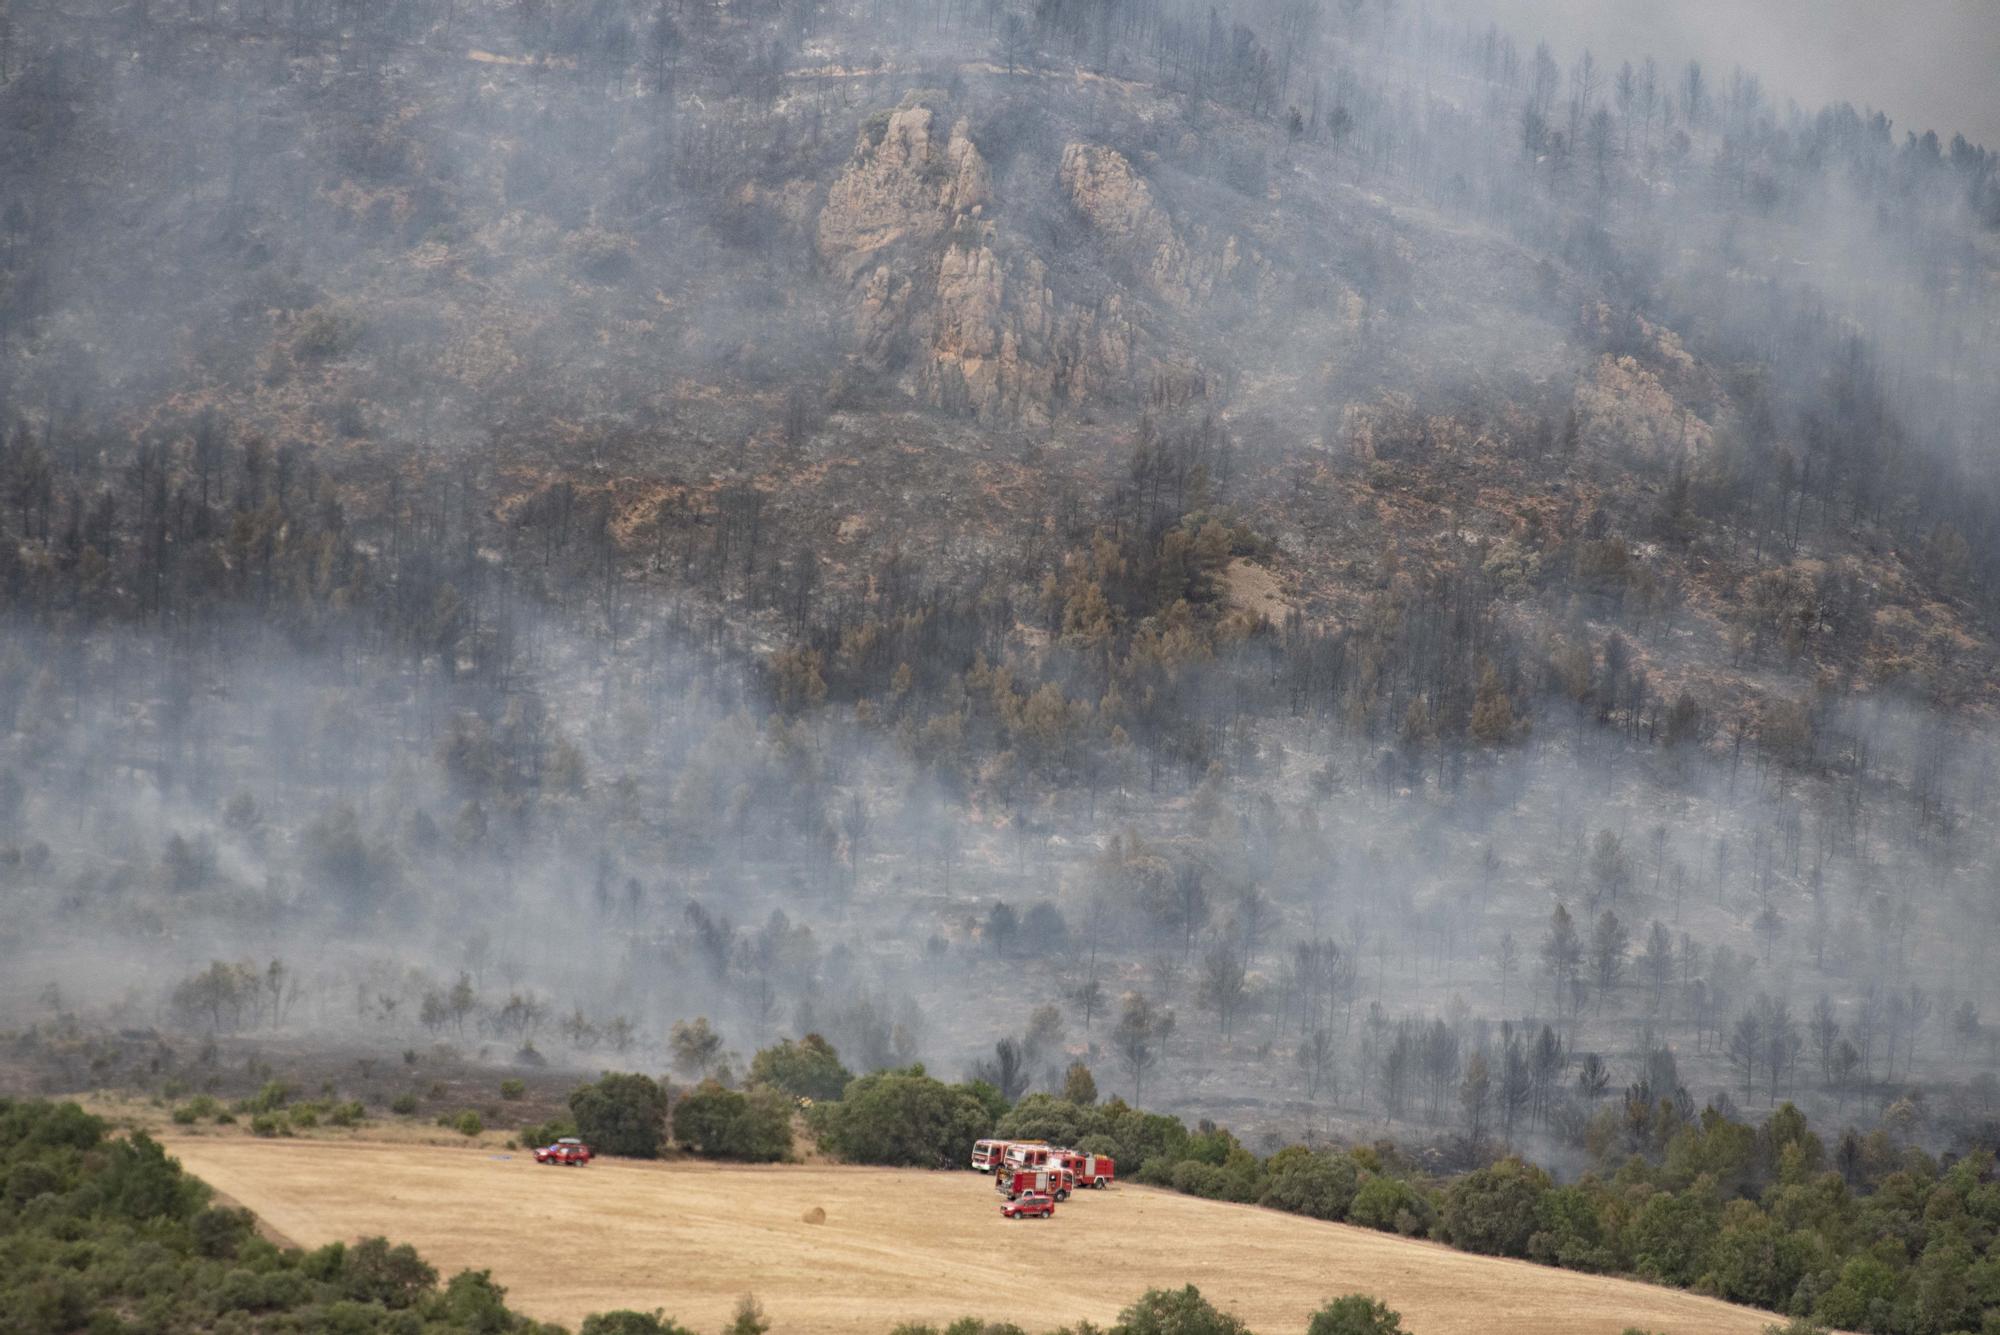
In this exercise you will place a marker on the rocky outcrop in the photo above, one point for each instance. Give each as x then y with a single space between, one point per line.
1182 269
1002 345
906 186
940 292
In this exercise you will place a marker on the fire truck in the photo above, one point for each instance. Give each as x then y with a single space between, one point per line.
1090 1170
1048 1181
988 1155
1026 1154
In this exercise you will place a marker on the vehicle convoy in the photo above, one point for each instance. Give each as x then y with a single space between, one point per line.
568 1152
1090 1170
1034 1205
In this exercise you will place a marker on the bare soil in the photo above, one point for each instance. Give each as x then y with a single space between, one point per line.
895 1245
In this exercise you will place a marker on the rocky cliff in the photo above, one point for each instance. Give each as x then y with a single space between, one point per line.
943 292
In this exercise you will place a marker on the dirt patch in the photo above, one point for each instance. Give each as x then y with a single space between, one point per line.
913 1246
1252 588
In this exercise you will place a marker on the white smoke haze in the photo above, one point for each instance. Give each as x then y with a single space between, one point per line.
475 510
1928 64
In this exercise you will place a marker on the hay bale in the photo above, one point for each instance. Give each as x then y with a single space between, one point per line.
814 1216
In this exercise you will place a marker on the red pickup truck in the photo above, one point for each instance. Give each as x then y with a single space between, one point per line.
569 1152
1034 1205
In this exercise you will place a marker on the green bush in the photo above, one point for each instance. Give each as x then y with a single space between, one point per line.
468 1123
807 1068
1199 1179
1079 1086
1045 1117
220 1232
274 1095
972 1325
1671 1235
1176 1312
631 1323
26 1181
622 1114
1393 1206
1320 1186
350 1113
513 1090
1495 1209
723 1124
1569 1231
396 1277
901 1118
267 1124
196 1108
304 1117
547 1132
403 1105
1356 1314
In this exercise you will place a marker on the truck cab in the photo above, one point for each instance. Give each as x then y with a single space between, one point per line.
1027 1154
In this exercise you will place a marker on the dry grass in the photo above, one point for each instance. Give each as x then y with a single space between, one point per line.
895 1246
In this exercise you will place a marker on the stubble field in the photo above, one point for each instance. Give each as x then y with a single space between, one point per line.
895 1246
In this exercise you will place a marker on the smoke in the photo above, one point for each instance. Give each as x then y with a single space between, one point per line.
1928 65
491 543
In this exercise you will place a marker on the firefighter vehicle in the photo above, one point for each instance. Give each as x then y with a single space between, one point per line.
1091 1170
1050 1181
569 1152
988 1155
1034 1205
1027 1154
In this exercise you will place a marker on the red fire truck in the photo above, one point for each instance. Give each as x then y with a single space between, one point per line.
1090 1170
1026 1154
1015 1182
988 1155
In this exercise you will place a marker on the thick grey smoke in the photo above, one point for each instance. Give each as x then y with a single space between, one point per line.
930 521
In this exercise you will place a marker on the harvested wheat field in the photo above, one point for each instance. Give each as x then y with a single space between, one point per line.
894 1246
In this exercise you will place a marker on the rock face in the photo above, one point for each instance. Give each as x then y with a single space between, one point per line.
942 293
906 186
1120 207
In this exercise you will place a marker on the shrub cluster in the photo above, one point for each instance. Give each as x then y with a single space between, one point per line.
718 1123
903 1118
110 1234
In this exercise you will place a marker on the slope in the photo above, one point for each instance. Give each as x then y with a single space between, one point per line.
896 1246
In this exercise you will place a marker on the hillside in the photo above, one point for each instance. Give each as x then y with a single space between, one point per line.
1353 577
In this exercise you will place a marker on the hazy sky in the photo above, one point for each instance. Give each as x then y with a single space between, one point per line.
1930 64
